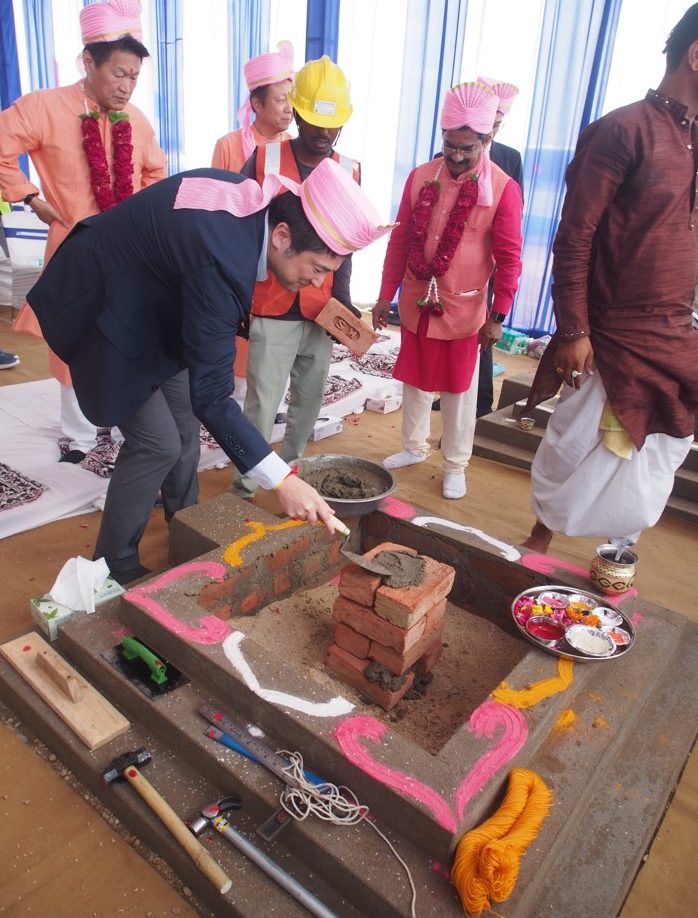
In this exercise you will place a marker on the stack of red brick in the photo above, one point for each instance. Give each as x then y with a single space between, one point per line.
401 628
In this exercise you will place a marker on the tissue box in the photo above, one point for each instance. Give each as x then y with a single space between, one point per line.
48 614
347 328
384 405
326 427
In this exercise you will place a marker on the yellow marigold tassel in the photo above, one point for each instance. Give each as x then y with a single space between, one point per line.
488 858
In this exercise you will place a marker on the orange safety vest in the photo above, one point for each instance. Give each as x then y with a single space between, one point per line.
269 297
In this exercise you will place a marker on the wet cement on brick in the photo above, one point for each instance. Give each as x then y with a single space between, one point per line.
405 570
477 656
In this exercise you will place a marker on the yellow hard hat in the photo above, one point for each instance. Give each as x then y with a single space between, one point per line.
320 94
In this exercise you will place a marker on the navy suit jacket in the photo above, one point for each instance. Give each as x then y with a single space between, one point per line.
135 295
509 160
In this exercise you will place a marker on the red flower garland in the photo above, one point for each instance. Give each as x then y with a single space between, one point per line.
122 158
451 236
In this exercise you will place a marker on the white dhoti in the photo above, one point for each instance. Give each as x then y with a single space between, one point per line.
580 488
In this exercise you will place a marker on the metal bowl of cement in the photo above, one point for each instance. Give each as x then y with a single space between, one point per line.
350 477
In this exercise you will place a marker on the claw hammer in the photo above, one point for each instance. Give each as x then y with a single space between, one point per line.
124 768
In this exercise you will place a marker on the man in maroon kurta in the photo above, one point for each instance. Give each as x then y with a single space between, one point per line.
624 274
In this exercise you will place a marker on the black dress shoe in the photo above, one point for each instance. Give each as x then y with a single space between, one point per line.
133 573
73 456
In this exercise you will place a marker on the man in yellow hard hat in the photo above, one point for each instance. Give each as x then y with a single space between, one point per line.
284 338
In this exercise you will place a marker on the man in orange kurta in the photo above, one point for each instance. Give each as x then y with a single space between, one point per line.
46 124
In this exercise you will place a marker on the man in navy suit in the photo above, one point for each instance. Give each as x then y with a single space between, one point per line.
144 302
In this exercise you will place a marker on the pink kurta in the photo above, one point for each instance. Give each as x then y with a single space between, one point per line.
46 125
229 154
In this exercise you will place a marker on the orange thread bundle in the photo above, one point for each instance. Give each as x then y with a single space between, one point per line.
488 858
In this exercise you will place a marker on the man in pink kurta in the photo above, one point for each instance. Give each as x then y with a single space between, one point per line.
459 216
46 124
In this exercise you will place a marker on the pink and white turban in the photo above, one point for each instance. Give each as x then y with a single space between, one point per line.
262 71
505 92
473 105
109 21
334 204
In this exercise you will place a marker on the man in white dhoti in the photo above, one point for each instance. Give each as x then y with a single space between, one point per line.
624 273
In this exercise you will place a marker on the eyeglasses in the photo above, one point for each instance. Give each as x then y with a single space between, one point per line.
463 151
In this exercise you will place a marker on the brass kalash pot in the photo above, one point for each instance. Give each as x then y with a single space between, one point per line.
613 576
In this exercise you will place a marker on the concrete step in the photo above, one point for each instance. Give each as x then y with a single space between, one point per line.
354 884
515 388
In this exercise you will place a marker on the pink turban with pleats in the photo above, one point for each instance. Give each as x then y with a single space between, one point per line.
473 105
338 210
109 21
505 92
262 71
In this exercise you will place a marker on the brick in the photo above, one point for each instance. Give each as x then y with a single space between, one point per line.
351 670
407 605
366 622
358 585
314 563
282 583
430 658
212 593
343 325
351 641
283 556
253 601
435 617
399 663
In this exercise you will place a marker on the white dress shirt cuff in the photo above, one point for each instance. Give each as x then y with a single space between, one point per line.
271 471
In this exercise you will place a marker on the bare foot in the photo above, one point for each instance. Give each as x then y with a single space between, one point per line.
539 539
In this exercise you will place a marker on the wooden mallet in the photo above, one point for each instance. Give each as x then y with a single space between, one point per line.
124 768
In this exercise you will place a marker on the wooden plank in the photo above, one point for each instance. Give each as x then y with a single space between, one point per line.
79 704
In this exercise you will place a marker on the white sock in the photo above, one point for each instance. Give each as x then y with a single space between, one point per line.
454 485
399 460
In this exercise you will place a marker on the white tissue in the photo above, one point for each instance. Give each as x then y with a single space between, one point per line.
77 583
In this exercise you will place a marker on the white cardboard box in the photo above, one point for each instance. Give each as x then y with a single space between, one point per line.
384 405
48 614
326 427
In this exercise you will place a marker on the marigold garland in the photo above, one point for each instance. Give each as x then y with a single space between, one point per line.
450 237
488 858
122 158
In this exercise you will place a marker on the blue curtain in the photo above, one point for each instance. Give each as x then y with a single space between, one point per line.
168 36
432 63
10 87
321 29
248 36
575 48
41 57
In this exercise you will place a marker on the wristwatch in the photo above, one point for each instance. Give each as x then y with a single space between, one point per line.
29 197
498 317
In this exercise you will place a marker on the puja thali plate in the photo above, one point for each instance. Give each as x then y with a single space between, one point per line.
597 630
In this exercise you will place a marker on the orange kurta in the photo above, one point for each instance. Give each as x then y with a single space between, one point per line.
229 154
46 125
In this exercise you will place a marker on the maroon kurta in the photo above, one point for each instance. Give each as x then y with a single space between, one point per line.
626 261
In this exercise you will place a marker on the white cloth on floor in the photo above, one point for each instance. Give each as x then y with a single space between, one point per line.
580 488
